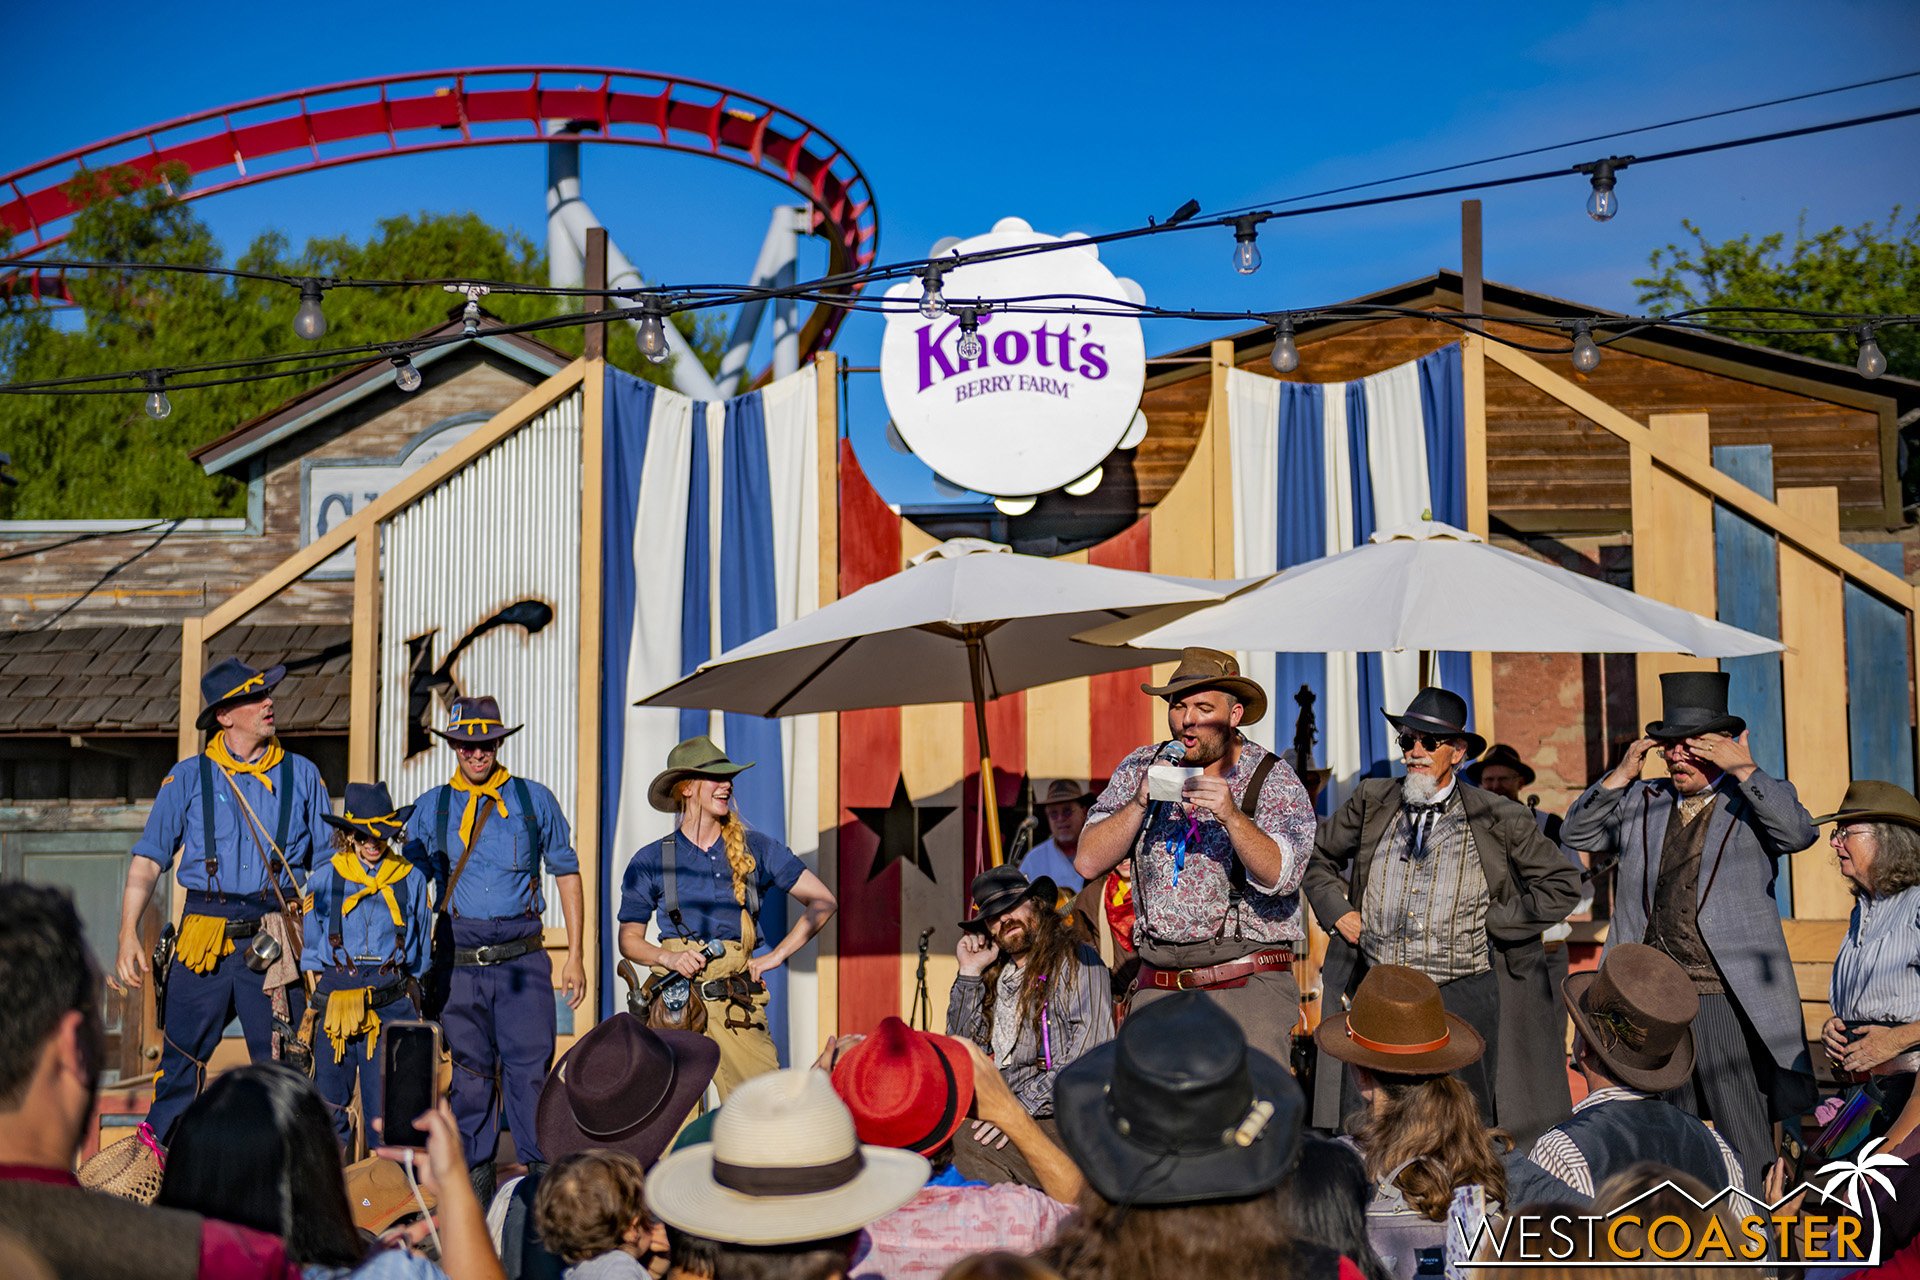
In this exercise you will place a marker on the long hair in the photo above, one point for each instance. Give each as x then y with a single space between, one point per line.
1049 968
733 836
1105 1241
1433 1126
1325 1203
257 1149
1896 858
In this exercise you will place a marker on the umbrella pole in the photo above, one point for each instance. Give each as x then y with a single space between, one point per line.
1426 668
989 792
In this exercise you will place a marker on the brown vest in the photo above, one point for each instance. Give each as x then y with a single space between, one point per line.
89 1235
1673 924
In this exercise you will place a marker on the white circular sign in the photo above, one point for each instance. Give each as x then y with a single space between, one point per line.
1047 398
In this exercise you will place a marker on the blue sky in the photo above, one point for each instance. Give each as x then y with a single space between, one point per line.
1087 117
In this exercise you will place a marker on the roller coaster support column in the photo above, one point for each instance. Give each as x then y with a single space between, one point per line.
776 269
565 257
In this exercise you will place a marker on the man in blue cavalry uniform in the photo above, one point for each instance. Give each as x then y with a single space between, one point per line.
486 834
245 816
367 942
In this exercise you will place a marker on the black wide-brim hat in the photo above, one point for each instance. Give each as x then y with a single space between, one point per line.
230 682
368 810
1177 1109
998 890
624 1087
1438 713
1501 756
1693 703
476 722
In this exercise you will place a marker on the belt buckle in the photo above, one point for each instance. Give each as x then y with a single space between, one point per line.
1180 977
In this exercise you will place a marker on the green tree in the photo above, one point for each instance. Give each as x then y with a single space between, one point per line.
1865 270
101 456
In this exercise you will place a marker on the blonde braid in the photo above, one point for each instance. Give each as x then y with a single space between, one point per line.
741 861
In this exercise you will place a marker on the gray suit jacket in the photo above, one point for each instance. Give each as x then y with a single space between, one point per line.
1752 823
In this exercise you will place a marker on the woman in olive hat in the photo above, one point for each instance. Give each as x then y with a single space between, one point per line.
702 885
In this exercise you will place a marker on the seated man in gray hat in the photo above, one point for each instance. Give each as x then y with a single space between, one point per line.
1696 857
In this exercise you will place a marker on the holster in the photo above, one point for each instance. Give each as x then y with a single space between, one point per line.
162 968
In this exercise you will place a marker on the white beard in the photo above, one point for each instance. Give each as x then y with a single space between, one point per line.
1418 788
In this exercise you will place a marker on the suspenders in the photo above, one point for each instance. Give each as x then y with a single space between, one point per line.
210 851
442 825
670 886
1236 872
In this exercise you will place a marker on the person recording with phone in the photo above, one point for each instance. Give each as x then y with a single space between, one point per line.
1216 873
368 942
245 817
703 884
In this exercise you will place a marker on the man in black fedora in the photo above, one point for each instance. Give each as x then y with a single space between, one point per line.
246 818
487 834
1458 884
1633 1041
1697 854
1216 872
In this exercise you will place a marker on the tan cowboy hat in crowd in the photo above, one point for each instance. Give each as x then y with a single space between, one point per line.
784 1167
378 1195
130 1168
1636 1012
1398 1025
1869 801
697 757
1211 669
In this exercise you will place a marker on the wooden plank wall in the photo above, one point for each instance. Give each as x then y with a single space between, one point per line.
1672 535
1879 728
1814 686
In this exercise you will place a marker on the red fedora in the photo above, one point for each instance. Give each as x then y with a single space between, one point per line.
907 1089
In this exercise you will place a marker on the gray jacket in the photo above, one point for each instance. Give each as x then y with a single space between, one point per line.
1077 1021
1752 823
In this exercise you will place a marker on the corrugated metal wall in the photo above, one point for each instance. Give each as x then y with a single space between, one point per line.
505 529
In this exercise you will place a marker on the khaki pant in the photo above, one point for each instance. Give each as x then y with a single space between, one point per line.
745 1052
1266 1008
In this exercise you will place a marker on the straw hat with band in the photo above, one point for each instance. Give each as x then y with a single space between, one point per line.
625 1087
378 1195
475 722
1211 669
695 758
1398 1025
1067 791
229 683
1177 1109
906 1089
998 890
784 1166
1868 801
1437 713
368 811
1693 703
1636 1013
1501 756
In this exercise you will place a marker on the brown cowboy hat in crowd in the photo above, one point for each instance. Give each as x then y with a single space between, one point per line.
697 757
1501 756
1636 1012
1870 801
1398 1025
1211 669
378 1194
625 1087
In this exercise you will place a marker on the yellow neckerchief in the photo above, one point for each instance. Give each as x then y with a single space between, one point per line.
350 1015
381 880
475 790
218 753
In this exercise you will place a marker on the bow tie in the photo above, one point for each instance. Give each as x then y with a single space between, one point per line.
1423 810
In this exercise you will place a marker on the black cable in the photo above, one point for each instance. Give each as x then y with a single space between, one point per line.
109 575
78 537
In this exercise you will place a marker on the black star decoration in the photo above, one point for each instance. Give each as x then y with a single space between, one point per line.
902 827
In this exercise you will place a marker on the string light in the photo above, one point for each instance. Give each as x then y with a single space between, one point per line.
933 303
1246 253
1873 361
1586 352
1286 356
405 376
470 316
1603 203
969 346
652 334
309 321
158 406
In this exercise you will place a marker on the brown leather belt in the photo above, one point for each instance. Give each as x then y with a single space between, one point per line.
1233 973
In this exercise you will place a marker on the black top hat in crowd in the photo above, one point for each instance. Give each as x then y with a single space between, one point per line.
1694 703
1177 1109
1439 713
476 722
230 682
368 810
998 890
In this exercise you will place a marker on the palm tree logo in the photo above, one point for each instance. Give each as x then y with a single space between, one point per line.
1850 1181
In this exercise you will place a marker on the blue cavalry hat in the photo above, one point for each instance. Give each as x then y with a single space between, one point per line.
368 810
476 721
232 681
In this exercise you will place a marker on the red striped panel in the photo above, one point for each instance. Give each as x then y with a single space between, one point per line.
1123 717
869 918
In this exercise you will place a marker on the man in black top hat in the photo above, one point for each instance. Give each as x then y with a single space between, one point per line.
1458 884
1696 872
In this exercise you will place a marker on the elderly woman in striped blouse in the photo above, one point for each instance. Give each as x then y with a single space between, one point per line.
1875 1028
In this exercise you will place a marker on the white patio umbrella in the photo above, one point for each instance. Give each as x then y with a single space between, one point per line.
1432 587
967 621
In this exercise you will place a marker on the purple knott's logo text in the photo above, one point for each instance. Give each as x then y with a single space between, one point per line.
1051 351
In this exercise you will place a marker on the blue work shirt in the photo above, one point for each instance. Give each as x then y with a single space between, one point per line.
368 937
502 878
176 822
707 905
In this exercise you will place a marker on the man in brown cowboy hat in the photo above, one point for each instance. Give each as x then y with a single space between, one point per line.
1216 872
1458 884
1697 854
1633 1041
1065 810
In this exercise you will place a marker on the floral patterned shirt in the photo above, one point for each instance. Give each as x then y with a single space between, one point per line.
1195 905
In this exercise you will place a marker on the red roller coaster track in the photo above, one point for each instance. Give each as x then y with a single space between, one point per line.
313 129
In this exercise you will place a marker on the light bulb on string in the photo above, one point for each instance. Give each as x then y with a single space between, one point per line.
1586 352
405 376
969 346
1603 202
1246 250
1873 361
309 321
933 303
652 335
1286 356
158 406
470 318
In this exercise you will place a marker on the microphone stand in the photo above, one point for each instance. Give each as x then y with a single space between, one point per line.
922 1005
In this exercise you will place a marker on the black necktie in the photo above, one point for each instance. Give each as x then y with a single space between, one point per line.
1421 817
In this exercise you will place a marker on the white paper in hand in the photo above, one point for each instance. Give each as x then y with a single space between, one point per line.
1164 781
